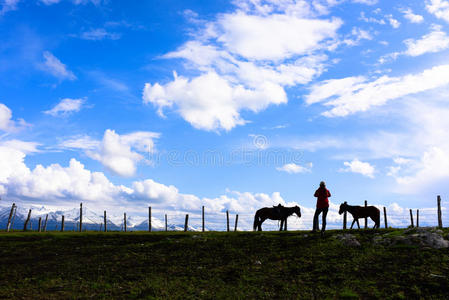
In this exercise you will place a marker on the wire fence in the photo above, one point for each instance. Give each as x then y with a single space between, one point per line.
213 221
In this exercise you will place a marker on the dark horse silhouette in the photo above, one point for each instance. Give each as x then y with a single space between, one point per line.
358 212
275 213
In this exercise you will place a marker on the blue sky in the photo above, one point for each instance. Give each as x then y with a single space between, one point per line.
229 104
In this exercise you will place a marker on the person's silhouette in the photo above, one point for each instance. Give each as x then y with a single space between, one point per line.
322 206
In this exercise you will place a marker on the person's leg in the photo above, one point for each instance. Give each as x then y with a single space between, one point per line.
315 219
323 223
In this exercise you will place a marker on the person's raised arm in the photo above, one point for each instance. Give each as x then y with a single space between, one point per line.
328 193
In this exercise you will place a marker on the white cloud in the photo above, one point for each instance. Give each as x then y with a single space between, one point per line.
56 68
273 37
118 153
7 124
393 22
295 168
63 186
22 146
54 183
439 8
8 5
83 142
364 18
99 34
210 101
359 35
435 41
413 18
357 166
242 68
354 94
65 107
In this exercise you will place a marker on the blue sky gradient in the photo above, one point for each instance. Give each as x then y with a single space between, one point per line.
283 93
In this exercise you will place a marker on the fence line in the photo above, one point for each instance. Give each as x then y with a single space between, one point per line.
220 221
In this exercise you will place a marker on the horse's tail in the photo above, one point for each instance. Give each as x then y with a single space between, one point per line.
256 221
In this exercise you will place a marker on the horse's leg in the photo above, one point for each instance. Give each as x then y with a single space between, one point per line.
285 225
353 221
282 224
358 225
376 220
260 224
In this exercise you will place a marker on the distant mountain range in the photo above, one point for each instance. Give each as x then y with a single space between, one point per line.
91 220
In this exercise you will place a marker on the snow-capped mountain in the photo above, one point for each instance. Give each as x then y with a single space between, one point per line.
91 220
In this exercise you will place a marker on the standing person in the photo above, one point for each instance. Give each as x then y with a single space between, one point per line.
322 206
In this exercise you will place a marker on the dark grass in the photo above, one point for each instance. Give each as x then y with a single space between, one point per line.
216 265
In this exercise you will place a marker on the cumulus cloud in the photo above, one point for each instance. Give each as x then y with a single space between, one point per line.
120 154
55 67
7 124
65 107
412 17
210 101
295 168
357 166
246 58
62 186
439 8
355 94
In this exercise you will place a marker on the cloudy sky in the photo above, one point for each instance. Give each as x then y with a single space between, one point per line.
228 104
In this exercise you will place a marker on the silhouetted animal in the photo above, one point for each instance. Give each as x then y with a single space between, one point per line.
275 213
358 212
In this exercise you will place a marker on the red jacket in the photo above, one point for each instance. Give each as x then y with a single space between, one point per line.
322 194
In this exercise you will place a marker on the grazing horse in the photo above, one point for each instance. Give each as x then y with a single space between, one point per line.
275 213
358 212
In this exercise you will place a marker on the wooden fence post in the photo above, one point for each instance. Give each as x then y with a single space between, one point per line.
166 223
202 217
417 218
10 217
411 218
440 222
62 224
27 220
39 225
236 221
366 219
385 217
344 220
45 223
149 218
227 221
186 224
13 217
81 217
124 221
105 222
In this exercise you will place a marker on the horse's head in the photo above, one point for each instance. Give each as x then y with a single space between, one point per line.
297 211
343 207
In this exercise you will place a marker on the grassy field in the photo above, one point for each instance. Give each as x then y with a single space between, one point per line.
216 265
